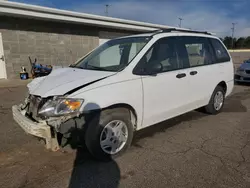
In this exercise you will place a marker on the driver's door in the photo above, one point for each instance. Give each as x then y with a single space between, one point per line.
165 93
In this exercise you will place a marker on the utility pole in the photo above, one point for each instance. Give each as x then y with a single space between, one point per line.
180 21
107 9
233 29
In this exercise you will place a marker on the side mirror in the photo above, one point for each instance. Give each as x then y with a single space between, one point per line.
154 68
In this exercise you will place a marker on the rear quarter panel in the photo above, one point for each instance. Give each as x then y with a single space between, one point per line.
228 73
224 71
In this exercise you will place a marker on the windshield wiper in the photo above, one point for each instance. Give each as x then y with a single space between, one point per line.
73 66
88 66
76 67
96 68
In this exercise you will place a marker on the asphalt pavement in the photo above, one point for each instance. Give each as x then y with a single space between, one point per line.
192 150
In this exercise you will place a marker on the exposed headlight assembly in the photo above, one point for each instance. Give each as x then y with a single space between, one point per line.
60 106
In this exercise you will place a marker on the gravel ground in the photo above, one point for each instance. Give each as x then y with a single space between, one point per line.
192 150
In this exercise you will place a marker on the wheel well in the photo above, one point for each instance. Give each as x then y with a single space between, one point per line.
223 85
133 114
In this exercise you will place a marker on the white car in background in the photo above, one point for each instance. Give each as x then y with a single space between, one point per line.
125 85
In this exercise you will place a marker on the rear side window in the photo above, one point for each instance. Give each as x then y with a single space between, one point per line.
220 51
195 51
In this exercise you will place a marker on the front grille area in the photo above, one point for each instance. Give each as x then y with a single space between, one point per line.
237 77
247 71
35 103
247 79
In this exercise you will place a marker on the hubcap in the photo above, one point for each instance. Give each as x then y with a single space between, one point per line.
114 137
218 100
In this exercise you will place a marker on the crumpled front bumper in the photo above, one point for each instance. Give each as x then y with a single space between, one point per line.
40 129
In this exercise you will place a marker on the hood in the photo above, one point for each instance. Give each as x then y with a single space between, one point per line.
245 66
62 80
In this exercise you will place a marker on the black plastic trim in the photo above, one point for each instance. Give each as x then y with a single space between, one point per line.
181 30
82 86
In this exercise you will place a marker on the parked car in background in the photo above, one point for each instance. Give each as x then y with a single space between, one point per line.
125 85
242 73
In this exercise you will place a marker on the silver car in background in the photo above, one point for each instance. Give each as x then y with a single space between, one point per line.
242 74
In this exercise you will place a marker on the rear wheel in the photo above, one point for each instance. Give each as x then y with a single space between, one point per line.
109 134
216 102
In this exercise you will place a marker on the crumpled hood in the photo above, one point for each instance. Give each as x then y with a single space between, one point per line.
62 80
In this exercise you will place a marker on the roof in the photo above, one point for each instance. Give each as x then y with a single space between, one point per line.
137 35
172 32
44 13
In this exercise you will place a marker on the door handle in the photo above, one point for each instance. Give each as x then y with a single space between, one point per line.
2 58
193 73
181 75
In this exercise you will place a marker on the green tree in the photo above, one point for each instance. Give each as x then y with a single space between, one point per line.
247 42
227 41
240 43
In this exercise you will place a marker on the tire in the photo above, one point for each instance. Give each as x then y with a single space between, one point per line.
210 108
100 124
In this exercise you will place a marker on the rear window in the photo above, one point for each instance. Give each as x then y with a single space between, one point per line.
220 51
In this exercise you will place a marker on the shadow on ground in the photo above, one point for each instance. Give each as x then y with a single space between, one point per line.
235 102
163 126
88 172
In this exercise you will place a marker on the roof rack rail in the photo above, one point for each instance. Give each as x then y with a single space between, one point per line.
181 30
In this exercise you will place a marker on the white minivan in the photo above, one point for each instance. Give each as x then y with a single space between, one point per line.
125 85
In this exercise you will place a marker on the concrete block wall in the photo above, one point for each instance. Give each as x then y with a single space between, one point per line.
239 56
54 43
51 43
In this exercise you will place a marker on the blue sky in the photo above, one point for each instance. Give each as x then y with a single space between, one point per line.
212 15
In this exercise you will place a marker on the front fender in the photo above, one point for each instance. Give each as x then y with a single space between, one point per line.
128 92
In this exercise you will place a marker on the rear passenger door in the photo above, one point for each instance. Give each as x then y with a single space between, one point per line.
197 53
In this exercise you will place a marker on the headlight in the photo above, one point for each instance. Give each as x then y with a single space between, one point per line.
60 106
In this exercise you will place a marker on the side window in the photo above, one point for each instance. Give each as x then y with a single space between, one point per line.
220 51
195 51
162 52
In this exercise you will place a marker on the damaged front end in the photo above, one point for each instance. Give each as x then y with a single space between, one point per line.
46 118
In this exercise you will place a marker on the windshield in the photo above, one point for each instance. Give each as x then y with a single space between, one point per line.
113 55
247 61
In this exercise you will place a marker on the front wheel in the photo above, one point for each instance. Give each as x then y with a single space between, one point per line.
109 133
216 102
